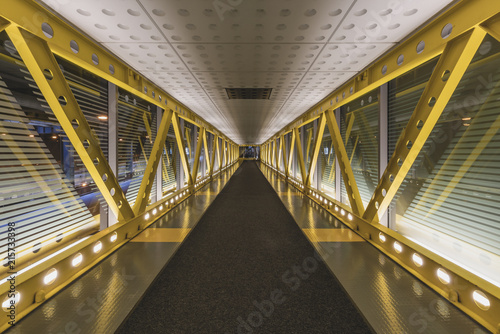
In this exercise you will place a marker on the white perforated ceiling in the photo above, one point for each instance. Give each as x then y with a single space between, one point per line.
303 50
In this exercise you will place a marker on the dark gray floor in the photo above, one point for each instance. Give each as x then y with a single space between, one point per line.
246 268
99 301
390 298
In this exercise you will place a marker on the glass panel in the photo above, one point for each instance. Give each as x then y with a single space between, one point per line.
45 191
360 132
136 135
296 172
450 200
326 161
169 163
190 134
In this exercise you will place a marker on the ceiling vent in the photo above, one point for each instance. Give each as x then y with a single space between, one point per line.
249 93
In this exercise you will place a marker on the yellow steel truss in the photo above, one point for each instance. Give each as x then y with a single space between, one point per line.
444 79
47 74
345 167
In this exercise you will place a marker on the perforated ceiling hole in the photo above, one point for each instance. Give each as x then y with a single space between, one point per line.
83 12
47 30
100 26
310 12
183 12
133 12
95 59
108 12
385 12
447 29
158 12
335 12
410 12
285 12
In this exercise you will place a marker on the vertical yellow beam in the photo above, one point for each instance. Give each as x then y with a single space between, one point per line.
316 148
197 154
276 154
182 148
290 154
215 154
284 154
221 156
300 155
208 159
445 78
308 141
345 166
48 76
154 159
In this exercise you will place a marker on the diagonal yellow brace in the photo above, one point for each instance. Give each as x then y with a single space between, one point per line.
284 154
290 154
445 78
280 152
300 156
345 167
317 146
215 154
207 157
276 150
153 162
182 148
45 70
197 153
309 140
221 153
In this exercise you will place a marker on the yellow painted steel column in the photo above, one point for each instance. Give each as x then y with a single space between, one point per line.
292 148
47 74
197 155
208 159
285 155
215 154
300 156
445 78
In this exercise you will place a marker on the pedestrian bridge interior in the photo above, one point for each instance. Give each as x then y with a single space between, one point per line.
241 166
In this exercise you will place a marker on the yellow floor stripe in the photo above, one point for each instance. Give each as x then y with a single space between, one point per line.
162 235
331 235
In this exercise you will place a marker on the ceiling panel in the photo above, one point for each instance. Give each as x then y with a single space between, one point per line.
195 49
